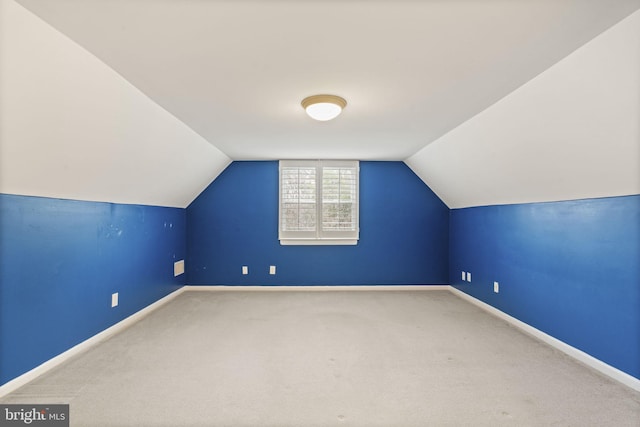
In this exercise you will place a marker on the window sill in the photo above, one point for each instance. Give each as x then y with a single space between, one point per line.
317 242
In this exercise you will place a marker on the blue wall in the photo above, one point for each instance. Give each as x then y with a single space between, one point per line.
62 260
570 269
234 222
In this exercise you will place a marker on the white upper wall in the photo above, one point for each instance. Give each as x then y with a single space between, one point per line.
71 127
570 133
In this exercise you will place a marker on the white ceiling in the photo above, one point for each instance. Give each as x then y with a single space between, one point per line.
488 101
411 71
71 128
572 132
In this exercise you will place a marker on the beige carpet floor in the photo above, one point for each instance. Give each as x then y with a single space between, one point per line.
336 358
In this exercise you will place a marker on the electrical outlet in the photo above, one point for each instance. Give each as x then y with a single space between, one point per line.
469 277
245 269
114 299
272 269
496 287
464 276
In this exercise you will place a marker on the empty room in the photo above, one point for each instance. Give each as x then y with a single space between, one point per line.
319 213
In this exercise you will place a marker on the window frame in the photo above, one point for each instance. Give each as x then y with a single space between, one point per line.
319 236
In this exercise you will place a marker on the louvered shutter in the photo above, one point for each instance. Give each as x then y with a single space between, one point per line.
318 202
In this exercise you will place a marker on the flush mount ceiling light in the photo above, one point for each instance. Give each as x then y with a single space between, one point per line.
323 107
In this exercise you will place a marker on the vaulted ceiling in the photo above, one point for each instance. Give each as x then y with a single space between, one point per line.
145 101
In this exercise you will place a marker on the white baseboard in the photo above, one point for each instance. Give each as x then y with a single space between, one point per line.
319 288
23 379
579 355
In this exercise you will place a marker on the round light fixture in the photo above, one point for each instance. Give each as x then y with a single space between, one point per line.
323 107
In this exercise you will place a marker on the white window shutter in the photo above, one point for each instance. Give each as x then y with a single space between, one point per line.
339 200
298 201
318 202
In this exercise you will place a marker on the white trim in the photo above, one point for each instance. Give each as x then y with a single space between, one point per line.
351 288
573 352
319 235
23 379
317 242
579 355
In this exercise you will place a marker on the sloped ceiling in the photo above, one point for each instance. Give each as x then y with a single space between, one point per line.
185 86
72 128
572 132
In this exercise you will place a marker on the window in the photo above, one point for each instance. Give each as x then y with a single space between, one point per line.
318 202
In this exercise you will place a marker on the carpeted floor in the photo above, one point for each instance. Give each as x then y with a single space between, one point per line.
336 358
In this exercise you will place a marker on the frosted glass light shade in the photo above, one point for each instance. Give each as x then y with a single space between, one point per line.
323 107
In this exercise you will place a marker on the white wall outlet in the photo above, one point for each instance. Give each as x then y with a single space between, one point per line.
245 269
464 276
178 268
272 269
496 287
114 299
469 277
